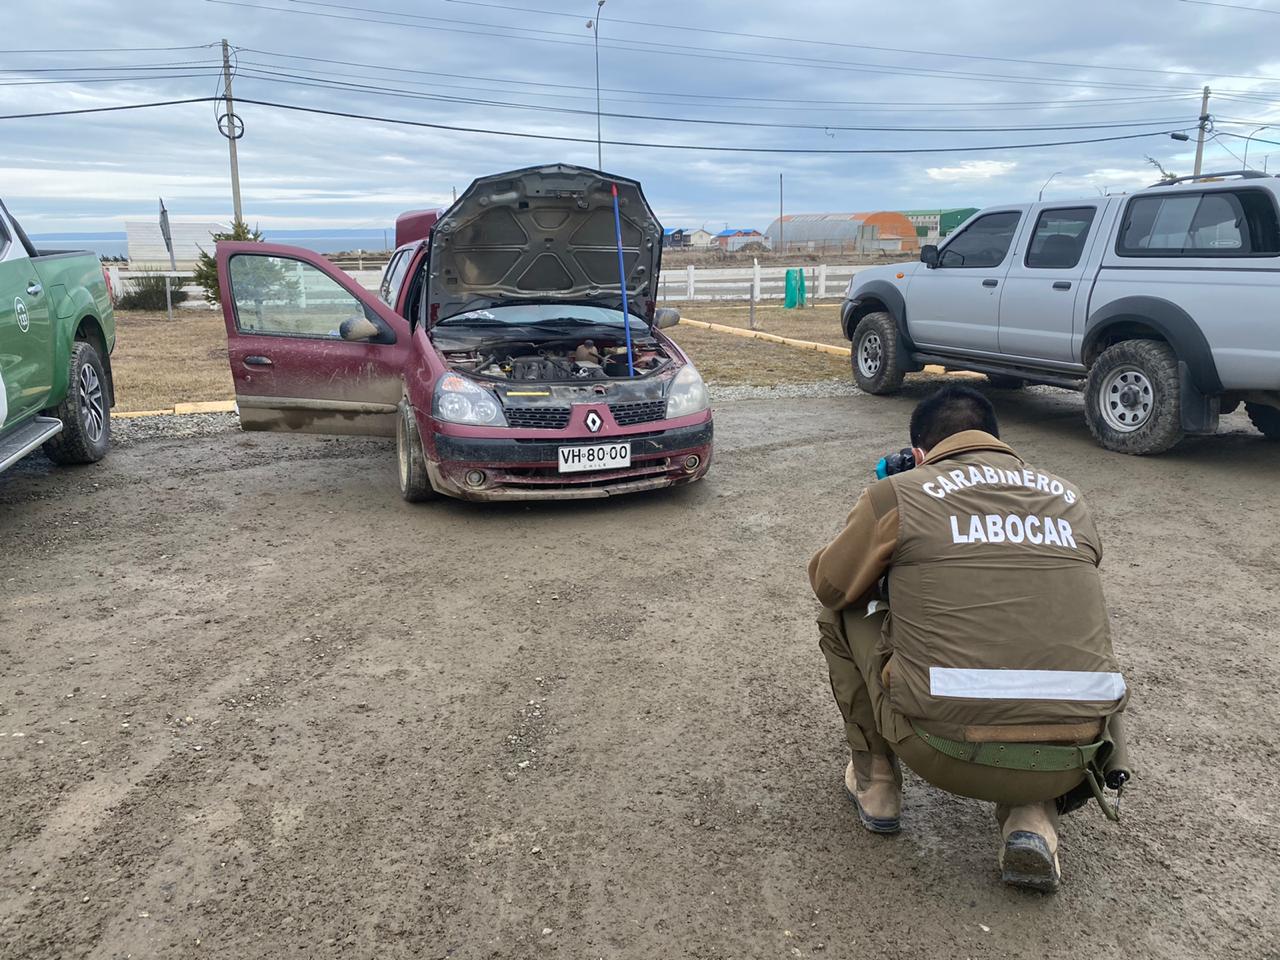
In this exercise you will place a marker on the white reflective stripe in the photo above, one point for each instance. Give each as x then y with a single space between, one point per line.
1025 684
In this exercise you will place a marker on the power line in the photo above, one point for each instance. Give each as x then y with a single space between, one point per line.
828 151
1231 6
194 46
835 43
667 49
752 101
312 81
143 79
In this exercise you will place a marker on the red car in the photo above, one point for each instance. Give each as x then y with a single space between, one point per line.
496 354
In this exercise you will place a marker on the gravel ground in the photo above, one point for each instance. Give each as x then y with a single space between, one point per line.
252 705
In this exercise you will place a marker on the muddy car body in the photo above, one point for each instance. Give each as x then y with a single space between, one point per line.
494 350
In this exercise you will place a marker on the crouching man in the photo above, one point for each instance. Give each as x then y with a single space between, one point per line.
966 636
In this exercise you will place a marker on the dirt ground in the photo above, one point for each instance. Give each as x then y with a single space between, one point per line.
252 705
158 364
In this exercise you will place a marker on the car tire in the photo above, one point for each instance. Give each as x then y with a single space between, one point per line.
85 412
1000 381
411 462
877 367
1133 398
1265 418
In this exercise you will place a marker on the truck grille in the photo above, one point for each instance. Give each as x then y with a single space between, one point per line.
543 418
644 411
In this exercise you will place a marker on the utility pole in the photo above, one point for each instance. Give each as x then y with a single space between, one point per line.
231 128
1204 125
594 26
782 245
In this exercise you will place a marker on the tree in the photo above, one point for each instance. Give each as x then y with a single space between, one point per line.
1165 175
206 272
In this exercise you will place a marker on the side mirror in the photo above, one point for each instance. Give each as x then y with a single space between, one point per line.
358 328
666 317
929 255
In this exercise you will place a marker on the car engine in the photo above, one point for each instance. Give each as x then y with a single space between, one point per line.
586 361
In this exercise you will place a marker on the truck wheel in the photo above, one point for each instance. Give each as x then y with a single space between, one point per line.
1002 382
415 485
1132 398
1266 419
85 414
876 367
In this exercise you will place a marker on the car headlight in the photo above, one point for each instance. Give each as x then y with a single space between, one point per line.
459 400
688 394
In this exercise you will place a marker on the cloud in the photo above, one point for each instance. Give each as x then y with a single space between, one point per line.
971 171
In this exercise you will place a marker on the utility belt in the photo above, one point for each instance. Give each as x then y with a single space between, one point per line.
1099 762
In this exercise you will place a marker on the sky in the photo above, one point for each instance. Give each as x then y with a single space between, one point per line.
771 75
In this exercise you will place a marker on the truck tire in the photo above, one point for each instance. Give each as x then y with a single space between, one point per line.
1002 381
1132 398
84 412
1266 419
415 485
876 365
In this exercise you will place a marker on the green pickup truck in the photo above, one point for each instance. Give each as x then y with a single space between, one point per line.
56 337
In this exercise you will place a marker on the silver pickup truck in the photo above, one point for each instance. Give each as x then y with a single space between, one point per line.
1162 305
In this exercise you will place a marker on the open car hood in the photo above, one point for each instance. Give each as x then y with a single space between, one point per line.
544 234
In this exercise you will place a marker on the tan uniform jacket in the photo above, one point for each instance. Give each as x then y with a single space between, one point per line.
996 614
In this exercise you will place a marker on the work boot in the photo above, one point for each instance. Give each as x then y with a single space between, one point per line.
1029 857
873 784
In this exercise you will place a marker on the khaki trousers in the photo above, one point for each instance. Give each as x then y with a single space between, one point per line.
848 639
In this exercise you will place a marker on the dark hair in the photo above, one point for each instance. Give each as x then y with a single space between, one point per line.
951 410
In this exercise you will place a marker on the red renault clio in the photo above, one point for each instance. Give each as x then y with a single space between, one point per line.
498 353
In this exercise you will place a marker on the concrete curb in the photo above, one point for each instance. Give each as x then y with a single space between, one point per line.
199 406
804 344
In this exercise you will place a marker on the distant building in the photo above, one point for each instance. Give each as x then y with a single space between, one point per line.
862 233
146 244
735 238
932 225
674 237
700 238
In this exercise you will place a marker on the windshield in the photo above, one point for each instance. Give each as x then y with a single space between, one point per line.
551 314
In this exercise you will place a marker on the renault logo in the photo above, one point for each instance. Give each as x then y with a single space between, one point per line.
20 308
594 423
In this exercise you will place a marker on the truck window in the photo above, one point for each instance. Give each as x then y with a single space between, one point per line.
1058 240
394 277
984 243
1217 223
6 241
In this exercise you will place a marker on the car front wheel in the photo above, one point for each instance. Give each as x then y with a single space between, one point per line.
1133 398
876 365
85 412
415 485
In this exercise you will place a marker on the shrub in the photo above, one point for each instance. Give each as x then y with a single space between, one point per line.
147 292
206 272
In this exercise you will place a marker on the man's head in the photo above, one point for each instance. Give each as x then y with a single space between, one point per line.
951 410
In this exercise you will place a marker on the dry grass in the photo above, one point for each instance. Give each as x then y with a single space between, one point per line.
819 323
157 363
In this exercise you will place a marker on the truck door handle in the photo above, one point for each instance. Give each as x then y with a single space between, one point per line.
34 289
990 283
256 361
1062 285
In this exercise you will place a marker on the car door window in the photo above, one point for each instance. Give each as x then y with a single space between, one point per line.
394 277
984 243
284 297
1057 242
1209 224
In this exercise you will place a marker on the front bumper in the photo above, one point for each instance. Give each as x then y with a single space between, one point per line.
522 469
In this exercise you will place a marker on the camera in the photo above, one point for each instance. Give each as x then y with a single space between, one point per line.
903 460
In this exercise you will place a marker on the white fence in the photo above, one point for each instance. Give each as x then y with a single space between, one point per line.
766 283
822 282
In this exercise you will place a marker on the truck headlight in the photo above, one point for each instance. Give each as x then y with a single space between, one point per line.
459 400
688 394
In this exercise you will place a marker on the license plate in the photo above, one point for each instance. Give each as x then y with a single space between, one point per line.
595 456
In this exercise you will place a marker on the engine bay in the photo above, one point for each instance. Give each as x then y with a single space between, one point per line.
559 361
